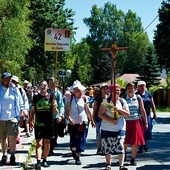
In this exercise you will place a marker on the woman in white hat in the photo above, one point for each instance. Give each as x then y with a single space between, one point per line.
77 112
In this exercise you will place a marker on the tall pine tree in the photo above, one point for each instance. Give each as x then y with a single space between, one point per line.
150 70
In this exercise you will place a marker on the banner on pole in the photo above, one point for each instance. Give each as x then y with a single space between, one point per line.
57 39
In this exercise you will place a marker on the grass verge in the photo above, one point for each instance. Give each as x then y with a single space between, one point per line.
30 153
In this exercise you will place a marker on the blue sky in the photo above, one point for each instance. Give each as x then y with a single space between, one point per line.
147 10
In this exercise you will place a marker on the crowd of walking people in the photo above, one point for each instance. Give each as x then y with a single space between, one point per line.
121 119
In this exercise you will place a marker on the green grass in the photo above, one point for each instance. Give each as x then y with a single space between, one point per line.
162 109
30 152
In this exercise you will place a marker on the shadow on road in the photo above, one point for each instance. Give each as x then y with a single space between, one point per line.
154 167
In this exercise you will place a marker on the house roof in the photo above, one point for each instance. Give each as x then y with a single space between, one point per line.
133 77
127 78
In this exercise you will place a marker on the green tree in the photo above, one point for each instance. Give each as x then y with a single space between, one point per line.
14 35
82 53
46 14
133 37
162 35
150 70
106 23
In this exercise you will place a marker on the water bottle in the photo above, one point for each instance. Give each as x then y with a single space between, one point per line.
153 121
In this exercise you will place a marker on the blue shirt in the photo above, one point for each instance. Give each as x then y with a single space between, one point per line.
11 103
60 103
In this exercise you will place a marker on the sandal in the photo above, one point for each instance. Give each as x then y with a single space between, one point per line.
108 167
122 168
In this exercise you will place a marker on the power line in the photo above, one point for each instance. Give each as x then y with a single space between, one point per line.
151 22
148 25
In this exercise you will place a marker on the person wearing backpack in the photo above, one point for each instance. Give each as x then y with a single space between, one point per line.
97 102
77 112
113 127
134 126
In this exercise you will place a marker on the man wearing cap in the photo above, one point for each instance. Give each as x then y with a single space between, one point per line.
25 85
11 112
15 81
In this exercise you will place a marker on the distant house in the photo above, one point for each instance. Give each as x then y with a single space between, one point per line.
133 77
128 78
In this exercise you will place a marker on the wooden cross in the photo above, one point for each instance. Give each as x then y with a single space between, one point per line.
114 50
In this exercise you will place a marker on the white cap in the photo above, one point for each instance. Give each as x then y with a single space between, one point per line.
103 85
78 85
15 78
141 83
25 82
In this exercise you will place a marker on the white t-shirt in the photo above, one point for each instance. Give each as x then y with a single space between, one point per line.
77 109
121 123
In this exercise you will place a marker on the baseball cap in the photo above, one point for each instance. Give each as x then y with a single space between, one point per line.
141 83
5 75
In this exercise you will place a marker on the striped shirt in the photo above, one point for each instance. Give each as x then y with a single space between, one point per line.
134 108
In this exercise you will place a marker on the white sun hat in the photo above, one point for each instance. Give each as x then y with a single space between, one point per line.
15 78
78 85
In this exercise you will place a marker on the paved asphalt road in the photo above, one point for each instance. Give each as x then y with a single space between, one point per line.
157 157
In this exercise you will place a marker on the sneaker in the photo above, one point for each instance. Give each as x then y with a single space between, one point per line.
108 167
123 168
4 159
27 134
12 160
45 164
37 167
78 162
133 162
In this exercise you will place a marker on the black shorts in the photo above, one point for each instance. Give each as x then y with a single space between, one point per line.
46 132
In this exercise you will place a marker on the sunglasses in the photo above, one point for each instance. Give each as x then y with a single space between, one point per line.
43 85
